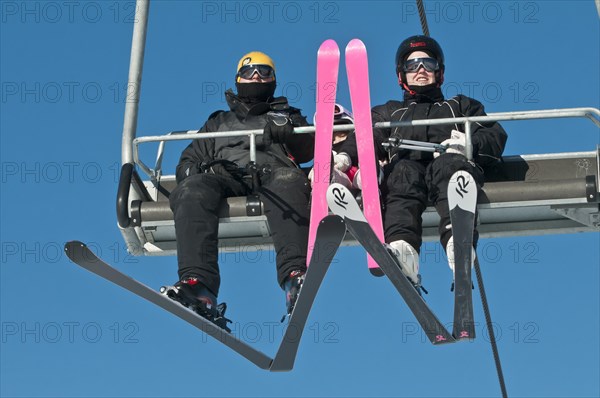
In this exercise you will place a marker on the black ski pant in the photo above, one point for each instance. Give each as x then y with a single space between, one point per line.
285 193
410 185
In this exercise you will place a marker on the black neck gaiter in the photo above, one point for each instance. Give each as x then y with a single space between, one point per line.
429 93
253 93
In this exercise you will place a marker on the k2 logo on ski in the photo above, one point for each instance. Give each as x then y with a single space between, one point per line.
340 196
463 183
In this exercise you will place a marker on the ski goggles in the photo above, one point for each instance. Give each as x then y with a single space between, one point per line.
413 65
264 71
342 116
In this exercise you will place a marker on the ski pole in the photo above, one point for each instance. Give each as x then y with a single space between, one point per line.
414 145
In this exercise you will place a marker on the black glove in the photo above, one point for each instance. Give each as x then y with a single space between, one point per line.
278 130
223 168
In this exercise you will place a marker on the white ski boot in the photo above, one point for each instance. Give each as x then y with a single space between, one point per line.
408 260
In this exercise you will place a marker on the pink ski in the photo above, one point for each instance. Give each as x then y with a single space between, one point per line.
358 81
328 60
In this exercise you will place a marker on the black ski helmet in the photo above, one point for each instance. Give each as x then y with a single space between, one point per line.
419 43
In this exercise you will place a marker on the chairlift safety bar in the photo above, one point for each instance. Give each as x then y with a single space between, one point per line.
590 113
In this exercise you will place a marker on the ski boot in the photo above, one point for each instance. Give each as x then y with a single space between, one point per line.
408 260
291 286
451 261
193 294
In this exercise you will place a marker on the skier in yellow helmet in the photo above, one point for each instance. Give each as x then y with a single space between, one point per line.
210 170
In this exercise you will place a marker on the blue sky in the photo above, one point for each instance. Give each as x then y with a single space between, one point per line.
66 332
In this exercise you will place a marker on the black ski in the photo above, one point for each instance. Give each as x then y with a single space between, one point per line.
462 201
342 203
84 257
329 235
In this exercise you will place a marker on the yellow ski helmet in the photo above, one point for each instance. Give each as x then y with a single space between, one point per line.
254 58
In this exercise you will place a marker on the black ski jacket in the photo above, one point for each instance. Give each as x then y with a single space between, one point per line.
489 139
243 116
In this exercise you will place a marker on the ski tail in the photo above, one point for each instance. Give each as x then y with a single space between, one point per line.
358 82
462 201
328 59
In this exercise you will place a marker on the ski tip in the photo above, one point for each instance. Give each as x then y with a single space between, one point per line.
342 203
329 45
462 191
378 272
72 244
355 44
73 249
461 174
332 219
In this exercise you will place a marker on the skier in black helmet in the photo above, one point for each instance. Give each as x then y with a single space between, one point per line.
413 178
210 170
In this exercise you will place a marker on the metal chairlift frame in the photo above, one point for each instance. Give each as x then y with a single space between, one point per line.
526 195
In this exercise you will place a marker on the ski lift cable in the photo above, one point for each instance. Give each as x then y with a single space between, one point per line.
423 17
490 327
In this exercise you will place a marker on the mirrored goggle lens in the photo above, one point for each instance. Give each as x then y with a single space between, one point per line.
264 71
341 113
413 65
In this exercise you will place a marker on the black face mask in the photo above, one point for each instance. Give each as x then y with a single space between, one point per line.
253 93
423 89
431 91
